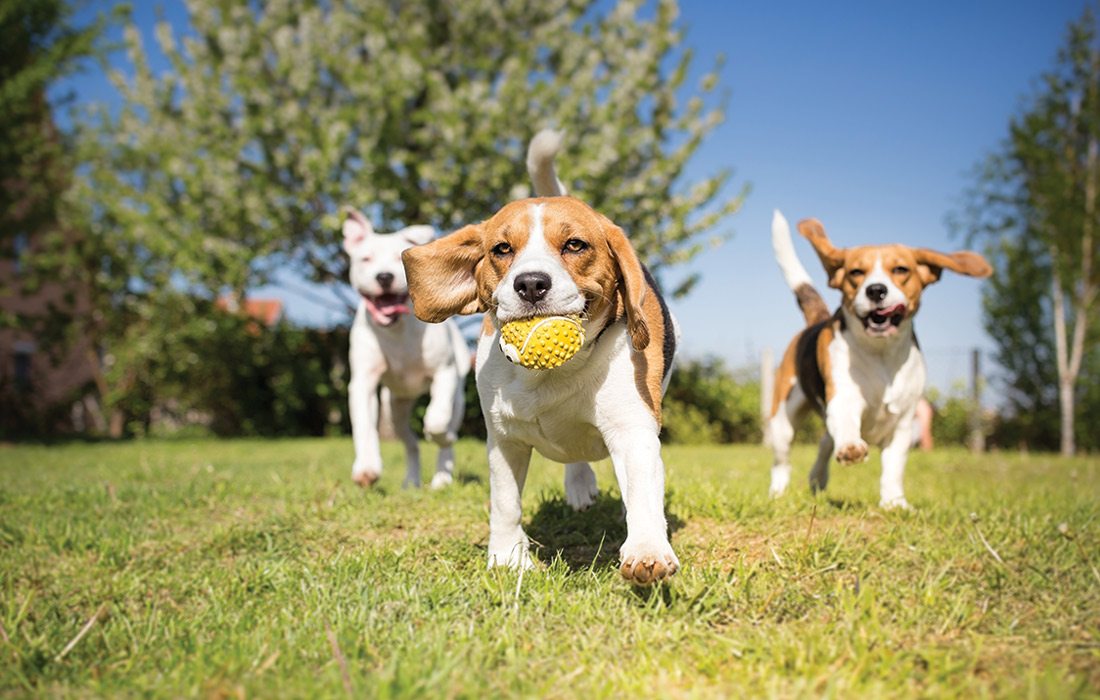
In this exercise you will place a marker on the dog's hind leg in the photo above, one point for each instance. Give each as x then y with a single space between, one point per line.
401 411
819 475
441 422
781 435
580 485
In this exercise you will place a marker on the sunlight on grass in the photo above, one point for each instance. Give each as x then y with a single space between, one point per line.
256 568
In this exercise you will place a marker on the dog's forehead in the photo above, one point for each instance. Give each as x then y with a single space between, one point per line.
387 244
554 213
889 255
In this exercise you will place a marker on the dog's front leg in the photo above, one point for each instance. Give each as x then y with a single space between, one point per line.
843 416
508 461
363 407
646 556
894 456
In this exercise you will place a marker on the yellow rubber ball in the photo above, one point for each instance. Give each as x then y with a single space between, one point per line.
542 342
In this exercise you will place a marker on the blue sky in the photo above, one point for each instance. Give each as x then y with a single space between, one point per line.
866 115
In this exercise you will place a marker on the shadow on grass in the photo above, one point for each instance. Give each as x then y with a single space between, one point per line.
588 539
845 504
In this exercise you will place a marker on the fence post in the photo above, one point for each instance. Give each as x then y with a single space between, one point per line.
767 389
977 433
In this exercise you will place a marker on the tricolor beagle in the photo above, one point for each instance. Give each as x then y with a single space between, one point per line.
861 366
557 256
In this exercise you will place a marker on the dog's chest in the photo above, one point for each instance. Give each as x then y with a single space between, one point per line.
552 411
405 356
889 384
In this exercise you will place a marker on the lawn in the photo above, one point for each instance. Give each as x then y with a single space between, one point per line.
257 569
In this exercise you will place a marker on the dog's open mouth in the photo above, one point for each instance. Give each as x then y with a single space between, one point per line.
882 322
386 308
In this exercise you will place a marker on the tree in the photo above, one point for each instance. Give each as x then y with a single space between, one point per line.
1037 196
42 43
236 160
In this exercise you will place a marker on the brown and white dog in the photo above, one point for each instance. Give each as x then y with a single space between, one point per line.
557 256
860 367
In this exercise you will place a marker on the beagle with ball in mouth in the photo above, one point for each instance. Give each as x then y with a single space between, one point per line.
860 367
556 256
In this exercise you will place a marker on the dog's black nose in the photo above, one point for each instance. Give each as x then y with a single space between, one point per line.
876 292
385 279
532 286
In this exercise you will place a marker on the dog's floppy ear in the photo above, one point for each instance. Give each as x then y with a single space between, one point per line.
357 228
442 275
832 258
632 284
417 235
931 264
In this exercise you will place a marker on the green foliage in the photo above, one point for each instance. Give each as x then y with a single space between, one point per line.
418 110
706 402
233 569
41 45
235 161
952 415
1035 205
195 363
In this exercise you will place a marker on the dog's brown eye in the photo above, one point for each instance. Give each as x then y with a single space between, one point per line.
901 270
574 245
502 249
855 273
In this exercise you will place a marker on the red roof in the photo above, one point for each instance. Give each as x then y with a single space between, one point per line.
266 311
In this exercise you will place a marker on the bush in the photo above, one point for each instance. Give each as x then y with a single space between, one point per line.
708 402
194 364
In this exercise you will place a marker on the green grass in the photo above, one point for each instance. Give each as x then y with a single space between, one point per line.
228 569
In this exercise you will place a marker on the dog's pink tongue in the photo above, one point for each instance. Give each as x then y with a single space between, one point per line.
393 309
897 309
386 312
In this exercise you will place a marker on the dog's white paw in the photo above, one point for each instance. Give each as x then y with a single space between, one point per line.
580 487
442 480
852 452
896 503
516 557
645 561
781 477
365 476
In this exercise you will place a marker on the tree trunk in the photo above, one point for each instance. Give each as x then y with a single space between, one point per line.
1065 379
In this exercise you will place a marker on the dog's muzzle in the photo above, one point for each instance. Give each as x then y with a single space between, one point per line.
386 308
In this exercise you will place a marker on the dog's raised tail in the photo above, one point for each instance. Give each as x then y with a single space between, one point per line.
812 305
540 163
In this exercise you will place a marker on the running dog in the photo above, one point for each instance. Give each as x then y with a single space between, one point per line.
554 256
408 358
859 367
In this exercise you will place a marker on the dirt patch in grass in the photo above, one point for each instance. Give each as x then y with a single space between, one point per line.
764 540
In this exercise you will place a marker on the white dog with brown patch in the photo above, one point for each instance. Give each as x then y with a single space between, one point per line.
860 367
392 349
556 256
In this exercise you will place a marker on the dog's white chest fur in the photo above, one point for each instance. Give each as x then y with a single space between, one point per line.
410 352
886 381
557 411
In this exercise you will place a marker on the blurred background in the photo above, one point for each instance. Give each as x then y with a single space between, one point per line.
172 176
